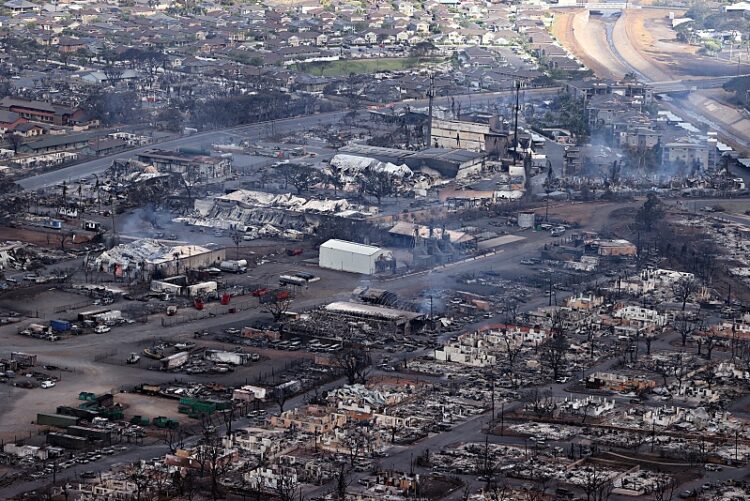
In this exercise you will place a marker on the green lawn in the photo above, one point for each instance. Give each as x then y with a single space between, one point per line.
357 66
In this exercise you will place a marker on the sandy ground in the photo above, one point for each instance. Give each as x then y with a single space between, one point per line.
585 36
143 405
22 406
633 41
645 42
19 407
582 214
41 304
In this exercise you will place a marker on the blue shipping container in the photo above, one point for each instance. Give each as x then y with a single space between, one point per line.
60 325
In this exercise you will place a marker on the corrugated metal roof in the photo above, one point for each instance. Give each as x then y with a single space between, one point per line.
367 310
407 229
353 247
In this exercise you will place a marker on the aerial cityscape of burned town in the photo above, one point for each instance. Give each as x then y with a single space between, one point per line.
486 250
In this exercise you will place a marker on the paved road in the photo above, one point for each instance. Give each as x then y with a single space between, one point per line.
98 165
683 107
284 126
68 352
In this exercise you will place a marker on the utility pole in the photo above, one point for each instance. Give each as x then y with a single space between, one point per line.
112 213
492 383
736 445
515 126
430 96
550 290
502 417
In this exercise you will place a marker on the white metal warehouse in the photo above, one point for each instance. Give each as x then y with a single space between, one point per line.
349 256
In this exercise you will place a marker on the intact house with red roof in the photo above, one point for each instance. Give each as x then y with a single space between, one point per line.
39 111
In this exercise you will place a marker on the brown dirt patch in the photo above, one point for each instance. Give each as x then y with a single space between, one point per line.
43 238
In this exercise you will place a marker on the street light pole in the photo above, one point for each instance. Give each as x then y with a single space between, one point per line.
515 126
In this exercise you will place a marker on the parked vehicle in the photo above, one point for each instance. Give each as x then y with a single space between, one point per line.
558 231
239 266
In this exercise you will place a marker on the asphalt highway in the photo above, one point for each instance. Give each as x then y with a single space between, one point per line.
285 126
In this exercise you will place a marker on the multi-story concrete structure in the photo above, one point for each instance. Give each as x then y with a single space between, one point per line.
194 168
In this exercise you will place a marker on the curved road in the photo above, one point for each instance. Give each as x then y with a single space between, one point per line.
619 38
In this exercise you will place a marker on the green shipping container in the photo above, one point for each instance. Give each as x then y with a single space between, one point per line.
140 420
113 413
164 422
59 420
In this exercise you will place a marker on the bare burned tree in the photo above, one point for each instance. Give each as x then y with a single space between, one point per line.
539 402
509 311
237 239
358 440
299 176
511 350
664 489
554 353
596 483
14 141
683 289
211 457
499 491
355 363
675 367
537 492
710 340
342 483
684 325
174 438
742 355
487 464
287 487
63 237
113 73
280 395
334 179
277 308
142 481
229 416
650 214
377 184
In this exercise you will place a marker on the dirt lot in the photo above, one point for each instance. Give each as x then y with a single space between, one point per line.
40 301
581 214
43 238
137 404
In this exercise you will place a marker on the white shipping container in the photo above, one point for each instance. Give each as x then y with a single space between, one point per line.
108 315
349 256
174 361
